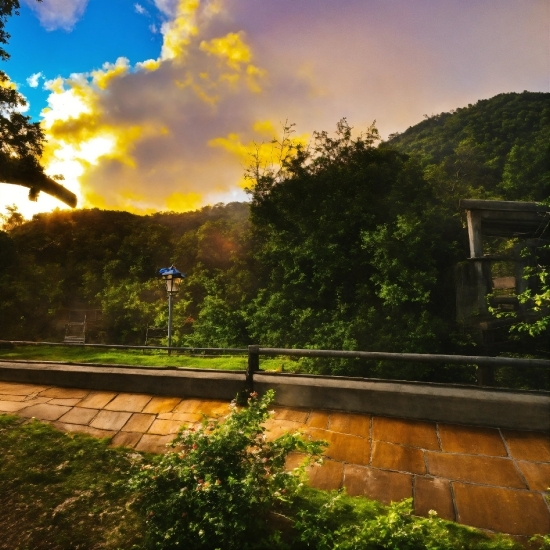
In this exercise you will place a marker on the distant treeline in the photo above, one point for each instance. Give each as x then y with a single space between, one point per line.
346 244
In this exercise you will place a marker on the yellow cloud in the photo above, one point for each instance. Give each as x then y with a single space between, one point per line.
232 79
77 134
230 48
94 199
86 139
265 154
110 71
126 199
205 90
149 64
6 83
253 75
178 32
265 127
181 202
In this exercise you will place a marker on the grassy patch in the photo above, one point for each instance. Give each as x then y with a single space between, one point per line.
145 358
330 520
64 491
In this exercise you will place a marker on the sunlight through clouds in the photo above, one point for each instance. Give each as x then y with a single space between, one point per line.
174 127
100 140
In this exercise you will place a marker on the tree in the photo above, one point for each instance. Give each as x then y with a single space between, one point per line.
355 251
21 141
12 219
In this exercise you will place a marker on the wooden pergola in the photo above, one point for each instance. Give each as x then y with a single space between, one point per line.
525 221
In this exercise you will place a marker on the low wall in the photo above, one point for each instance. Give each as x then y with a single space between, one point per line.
494 407
525 410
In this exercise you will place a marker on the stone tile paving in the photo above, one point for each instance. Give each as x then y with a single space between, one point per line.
489 478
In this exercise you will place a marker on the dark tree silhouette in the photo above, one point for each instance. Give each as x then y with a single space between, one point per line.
21 141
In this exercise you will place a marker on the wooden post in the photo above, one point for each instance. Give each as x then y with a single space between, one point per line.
474 234
475 238
485 375
253 365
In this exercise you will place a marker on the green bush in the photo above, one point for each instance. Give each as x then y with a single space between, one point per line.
339 522
225 486
219 486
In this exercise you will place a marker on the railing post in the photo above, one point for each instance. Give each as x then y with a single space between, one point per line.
253 365
485 375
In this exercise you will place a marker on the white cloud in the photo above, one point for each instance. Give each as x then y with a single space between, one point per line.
58 14
32 81
167 7
140 9
153 28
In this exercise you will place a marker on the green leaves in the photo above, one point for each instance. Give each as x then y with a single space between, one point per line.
497 148
216 489
350 229
338 522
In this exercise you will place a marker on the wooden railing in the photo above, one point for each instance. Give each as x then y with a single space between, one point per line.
486 365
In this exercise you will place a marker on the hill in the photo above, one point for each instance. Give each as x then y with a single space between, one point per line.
498 148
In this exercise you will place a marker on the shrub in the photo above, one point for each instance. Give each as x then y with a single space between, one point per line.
224 486
336 521
219 485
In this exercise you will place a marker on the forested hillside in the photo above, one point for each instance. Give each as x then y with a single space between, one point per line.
349 244
498 148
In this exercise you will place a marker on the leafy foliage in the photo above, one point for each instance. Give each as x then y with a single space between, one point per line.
218 487
535 300
338 522
359 275
498 148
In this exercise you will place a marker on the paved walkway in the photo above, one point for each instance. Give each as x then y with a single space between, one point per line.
488 478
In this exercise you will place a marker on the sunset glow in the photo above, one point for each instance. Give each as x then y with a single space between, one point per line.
170 124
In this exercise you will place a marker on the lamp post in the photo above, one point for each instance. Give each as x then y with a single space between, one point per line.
172 278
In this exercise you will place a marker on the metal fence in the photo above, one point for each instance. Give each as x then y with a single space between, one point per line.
485 364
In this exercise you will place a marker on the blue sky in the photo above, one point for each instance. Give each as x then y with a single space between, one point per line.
108 29
145 118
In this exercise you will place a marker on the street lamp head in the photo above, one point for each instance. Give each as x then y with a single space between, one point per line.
172 278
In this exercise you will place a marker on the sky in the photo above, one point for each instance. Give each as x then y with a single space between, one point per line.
156 105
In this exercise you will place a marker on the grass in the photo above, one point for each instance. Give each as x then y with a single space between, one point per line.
64 491
148 358
61 491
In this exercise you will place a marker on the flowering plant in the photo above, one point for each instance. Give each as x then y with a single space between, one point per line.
218 486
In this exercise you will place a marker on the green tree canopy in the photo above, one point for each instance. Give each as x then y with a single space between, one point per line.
354 251
498 148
